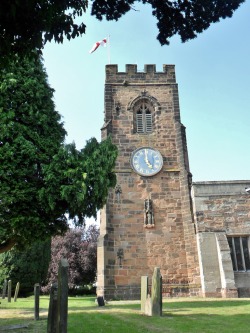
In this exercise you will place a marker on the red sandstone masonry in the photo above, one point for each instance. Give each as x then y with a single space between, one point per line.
171 244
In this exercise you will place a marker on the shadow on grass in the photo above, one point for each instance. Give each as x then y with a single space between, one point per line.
179 316
178 303
115 322
23 325
218 303
204 316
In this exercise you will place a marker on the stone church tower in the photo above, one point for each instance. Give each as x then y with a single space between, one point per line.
148 219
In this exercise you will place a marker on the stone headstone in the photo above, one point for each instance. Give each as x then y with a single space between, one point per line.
156 294
16 291
144 292
148 306
100 301
4 289
62 322
53 309
36 296
9 290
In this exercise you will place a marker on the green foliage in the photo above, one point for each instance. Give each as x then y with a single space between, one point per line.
30 135
73 175
98 162
26 267
28 25
41 178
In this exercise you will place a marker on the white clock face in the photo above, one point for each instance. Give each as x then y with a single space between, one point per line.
146 161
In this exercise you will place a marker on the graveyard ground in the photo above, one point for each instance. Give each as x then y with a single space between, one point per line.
179 315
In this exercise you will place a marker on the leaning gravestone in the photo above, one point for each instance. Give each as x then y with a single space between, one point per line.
151 305
16 291
62 320
156 293
58 305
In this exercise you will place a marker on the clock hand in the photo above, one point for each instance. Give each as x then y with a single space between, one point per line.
146 159
149 165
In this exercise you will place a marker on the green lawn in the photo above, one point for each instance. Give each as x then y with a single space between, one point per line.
179 315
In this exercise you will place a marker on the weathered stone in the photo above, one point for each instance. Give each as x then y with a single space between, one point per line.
169 190
62 323
9 290
36 298
16 291
148 306
5 283
156 293
169 243
100 301
53 309
144 292
225 211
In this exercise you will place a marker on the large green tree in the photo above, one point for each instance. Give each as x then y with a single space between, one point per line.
41 178
26 267
29 24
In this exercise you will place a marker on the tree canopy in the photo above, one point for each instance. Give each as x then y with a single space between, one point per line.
26 267
79 247
41 178
27 25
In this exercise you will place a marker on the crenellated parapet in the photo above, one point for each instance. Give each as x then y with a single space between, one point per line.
150 75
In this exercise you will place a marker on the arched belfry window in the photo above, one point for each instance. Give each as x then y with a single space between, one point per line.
143 117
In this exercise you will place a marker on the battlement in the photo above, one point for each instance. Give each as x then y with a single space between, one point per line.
131 73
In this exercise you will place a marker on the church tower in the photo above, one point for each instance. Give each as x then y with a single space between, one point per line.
148 220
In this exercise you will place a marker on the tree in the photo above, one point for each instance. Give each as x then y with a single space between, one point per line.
41 178
28 25
26 267
79 247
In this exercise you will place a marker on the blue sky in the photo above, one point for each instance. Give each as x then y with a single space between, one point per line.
212 71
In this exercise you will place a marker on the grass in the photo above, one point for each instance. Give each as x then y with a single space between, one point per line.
179 316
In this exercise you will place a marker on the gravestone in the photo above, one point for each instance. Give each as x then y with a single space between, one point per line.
9 290
144 292
53 309
16 291
62 321
148 306
100 301
4 289
36 296
151 305
156 293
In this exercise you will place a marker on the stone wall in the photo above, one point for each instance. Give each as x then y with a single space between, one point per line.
222 206
221 209
171 243
188 241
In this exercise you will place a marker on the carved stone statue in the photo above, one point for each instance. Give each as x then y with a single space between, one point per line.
148 213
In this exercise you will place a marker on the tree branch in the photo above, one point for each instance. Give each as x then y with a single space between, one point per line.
8 245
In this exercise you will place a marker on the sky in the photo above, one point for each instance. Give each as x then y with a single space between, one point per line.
212 72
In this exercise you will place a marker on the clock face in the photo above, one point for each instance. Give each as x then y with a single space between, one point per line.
146 161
